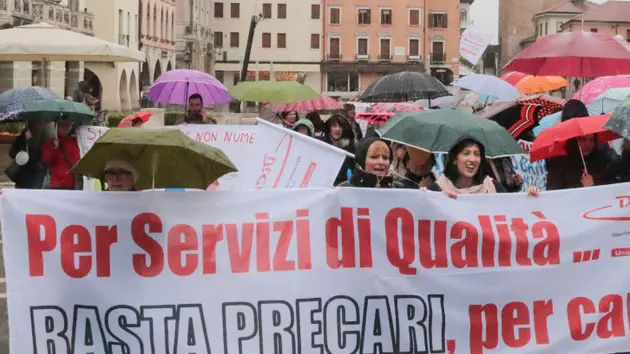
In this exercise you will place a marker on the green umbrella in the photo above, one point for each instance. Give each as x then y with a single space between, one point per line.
163 158
619 122
56 110
439 130
281 92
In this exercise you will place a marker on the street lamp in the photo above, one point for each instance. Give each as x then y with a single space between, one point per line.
256 19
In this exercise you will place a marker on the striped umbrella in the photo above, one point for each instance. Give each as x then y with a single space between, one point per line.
315 104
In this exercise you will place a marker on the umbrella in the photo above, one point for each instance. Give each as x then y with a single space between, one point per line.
315 104
438 130
594 88
56 110
537 84
379 113
282 92
517 118
405 86
488 85
576 54
128 120
513 77
552 141
15 100
176 86
45 42
619 122
163 158
442 102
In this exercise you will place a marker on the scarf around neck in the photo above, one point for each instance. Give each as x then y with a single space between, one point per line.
447 186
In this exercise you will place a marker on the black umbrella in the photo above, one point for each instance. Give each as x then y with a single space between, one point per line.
518 118
403 87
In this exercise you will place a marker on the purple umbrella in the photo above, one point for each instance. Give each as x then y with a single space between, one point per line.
176 86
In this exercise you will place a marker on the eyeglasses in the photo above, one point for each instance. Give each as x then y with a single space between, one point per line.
110 174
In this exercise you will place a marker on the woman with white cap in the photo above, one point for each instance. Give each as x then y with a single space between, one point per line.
120 176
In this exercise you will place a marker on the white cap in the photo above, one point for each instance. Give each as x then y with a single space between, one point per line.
122 165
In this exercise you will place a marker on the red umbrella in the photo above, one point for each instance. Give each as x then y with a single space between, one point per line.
379 113
577 54
552 141
315 104
128 121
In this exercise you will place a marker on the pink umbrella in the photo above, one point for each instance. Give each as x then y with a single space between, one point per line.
379 113
593 89
315 104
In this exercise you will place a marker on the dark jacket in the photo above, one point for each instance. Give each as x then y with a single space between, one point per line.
348 137
565 172
362 179
31 175
356 130
505 170
412 180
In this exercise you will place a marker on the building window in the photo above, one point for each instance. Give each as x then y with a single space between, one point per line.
414 17
266 40
463 15
235 10
437 52
315 11
364 16
546 28
282 40
335 15
218 9
594 30
628 35
314 41
559 26
218 39
438 20
334 48
386 16
282 10
385 49
234 39
414 48
362 47
342 82
266 10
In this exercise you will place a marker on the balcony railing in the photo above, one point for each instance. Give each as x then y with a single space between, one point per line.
333 56
438 58
463 24
123 39
362 57
58 15
414 58
385 57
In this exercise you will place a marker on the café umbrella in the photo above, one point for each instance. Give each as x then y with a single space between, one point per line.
437 131
163 158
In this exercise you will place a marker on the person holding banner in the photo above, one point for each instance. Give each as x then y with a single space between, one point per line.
465 172
305 126
419 173
339 134
373 157
288 119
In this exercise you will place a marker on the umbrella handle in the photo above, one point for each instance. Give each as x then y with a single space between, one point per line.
583 160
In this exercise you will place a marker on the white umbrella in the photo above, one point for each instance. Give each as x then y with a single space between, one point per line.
489 85
45 42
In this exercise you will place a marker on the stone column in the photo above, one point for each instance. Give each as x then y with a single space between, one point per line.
6 75
22 74
56 77
74 75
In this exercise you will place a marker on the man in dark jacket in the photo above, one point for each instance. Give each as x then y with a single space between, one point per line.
351 112
31 175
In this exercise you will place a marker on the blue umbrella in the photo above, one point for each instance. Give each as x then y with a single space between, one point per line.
489 85
15 100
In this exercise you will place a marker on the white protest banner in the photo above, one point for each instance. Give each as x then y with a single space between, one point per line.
534 173
473 43
297 271
283 158
236 141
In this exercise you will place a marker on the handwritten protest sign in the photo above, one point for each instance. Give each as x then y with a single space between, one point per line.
534 173
296 271
236 141
283 158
